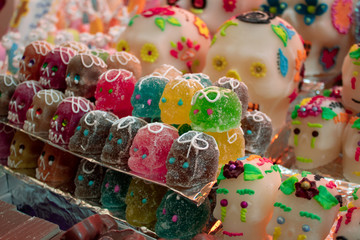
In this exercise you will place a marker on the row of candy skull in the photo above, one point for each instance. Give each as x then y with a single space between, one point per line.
6 136
42 109
240 204
125 60
114 90
82 75
91 132
8 84
67 117
53 70
21 101
315 123
118 143
266 53
32 59
101 53
63 36
306 207
77 46
167 35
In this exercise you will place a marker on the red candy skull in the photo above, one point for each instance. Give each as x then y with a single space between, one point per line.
53 70
21 101
32 59
114 90
67 117
42 109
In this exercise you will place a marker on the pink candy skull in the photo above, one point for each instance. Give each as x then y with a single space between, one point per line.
114 90
150 149
53 70
67 117
21 101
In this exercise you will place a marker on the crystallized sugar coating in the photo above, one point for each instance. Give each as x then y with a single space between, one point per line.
192 160
125 60
167 71
215 109
200 77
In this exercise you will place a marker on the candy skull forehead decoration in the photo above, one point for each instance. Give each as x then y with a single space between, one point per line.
125 60
167 35
42 109
114 90
202 78
67 117
167 71
305 208
246 195
314 124
77 46
82 75
266 53
32 59
351 81
21 101
8 84
53 70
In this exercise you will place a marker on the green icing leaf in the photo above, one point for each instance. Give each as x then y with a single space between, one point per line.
354 194
327 93
221 175
252 172
160 22
213 40
294 113
325 198
355 54
343 209
327 113
173 21
356 124
288 186
131 22
305 173
276 168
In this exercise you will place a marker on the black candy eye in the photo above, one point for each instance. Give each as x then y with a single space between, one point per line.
22 146
51 158
315 133
296 131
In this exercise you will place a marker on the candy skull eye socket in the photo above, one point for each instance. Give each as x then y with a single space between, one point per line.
22 147
21 106
77 78
43 153
55 117
45 65
280 220
306 228
54 69
68 75
31 62
296 131
64 122
315 133
51 158
14 142
38 111
23 57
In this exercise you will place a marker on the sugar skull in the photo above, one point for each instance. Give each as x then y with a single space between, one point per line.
82 75
150 149
66 119
117 147
167 71
6 136
239 88
215 109
347 226
142 200
32 59
114 90
8 84
175 103
350 86
258 130
91 132
77 46
192 161
306 207
42 109
266 53
88 179
21 101
245 197
101 53
147 95
24 152
200 77
315 122
125 60
113 192
176 217
56 167
167 35
326 27
53 70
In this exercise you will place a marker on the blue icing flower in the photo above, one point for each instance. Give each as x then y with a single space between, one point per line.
290 32
283 63
310 10
275 7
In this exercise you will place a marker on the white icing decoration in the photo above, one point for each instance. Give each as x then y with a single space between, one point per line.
233 82
169 68
78 103
12 164
3 129
64 51
257 117
32 85
105 75
189 83
124 58
125 122
56 137
93 113
161 127
51 96
79 47
41 47
203 93
231 139
149 77
94 60
40 175
88 171
193 141
9 80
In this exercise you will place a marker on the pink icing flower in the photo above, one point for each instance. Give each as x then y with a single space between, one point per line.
229 5
161 11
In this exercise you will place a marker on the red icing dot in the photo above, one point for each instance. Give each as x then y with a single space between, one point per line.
164 211
244 204
209 111
223 202
38 111
196 111
353 81
174 218
149 102
117 188
137 96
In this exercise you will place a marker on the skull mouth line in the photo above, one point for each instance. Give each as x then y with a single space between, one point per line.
29 126
69 93
56 137
13 163
44 81
13 117
40 175
23 77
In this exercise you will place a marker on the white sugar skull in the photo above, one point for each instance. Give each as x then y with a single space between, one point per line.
326 28
315 122
245 197
266 53
82 75
91 132
67 117
306 207
53 70
347 227
42 109
167 35
8 84
21 101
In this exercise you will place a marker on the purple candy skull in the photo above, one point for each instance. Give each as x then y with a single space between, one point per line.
21 101
67 117
53 70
